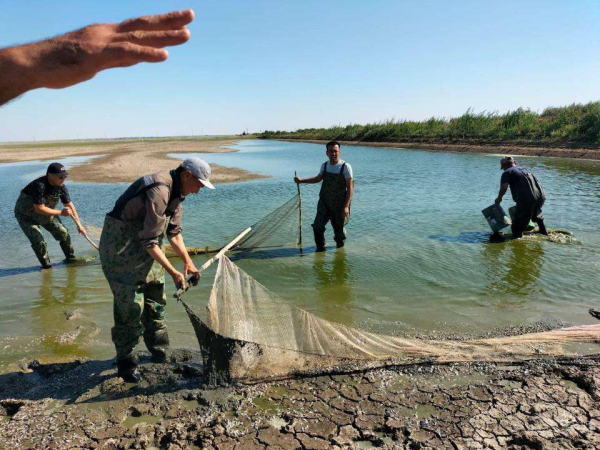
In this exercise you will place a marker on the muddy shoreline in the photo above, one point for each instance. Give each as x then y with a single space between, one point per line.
548 404
492 148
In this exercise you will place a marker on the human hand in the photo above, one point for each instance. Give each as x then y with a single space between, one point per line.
296 180
81 230
498 200
190 269
178 279
346 211
78 56
66 211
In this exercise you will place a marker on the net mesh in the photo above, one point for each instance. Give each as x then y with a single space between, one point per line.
249 334
280 228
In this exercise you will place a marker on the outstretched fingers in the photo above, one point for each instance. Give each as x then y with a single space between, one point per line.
157 39
125 54
171 21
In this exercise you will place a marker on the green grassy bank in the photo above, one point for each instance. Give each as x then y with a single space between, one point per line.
574 125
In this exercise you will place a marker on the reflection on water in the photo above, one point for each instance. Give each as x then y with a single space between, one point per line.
334 286
471 237
52 313
514 267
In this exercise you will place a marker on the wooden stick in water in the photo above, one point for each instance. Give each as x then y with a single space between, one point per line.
299 213
85 236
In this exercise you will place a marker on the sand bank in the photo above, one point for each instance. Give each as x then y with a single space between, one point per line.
125 160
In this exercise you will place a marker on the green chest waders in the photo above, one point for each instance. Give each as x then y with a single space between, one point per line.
330 208
137 284
30 222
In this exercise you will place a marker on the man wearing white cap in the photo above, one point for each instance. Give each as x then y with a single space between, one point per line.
134 263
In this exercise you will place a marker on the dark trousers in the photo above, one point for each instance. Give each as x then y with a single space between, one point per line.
528 211
327 214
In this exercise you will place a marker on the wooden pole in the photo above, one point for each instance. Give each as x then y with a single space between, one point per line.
208 263
85 236
299 213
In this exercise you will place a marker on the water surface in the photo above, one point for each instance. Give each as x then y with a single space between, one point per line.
418 256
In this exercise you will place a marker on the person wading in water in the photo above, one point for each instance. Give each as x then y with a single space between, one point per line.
134 263
35 208
528 194
335 196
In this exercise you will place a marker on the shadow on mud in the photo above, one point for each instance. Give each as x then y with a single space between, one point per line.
95 381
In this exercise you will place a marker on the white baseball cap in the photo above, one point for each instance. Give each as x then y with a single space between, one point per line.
200 169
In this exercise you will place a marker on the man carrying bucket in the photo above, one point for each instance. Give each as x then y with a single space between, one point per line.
134 263
335 196
528 194
35 208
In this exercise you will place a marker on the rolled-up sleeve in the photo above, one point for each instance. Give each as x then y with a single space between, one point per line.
174 227
155 221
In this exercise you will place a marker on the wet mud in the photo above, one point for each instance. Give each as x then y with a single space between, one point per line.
547 404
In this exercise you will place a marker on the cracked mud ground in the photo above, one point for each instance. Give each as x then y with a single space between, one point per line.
550 404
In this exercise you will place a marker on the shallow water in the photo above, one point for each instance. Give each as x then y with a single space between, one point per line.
418 256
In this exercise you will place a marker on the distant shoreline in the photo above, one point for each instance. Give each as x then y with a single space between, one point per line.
125 161
492 148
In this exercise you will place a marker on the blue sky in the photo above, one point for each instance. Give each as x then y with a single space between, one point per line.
280 64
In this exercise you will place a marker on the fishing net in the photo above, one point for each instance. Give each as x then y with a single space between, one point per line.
249 334
279 229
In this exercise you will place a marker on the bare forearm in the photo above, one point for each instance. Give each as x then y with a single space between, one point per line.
157 255
502 192
45 211
75 215
179 248
311 180
16 76
349 195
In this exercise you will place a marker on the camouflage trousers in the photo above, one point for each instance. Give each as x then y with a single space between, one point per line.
31 224
137 283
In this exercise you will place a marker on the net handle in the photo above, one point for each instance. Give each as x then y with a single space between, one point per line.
299 213
193 280
85 235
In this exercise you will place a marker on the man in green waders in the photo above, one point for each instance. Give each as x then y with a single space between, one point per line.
134 263
335 196
35 208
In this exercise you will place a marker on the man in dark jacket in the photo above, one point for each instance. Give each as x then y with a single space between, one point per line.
528 194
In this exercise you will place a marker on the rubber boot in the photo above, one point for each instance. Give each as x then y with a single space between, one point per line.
158 344
516 234
127 369
42 256
542 228
319 240
339 243
67 249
